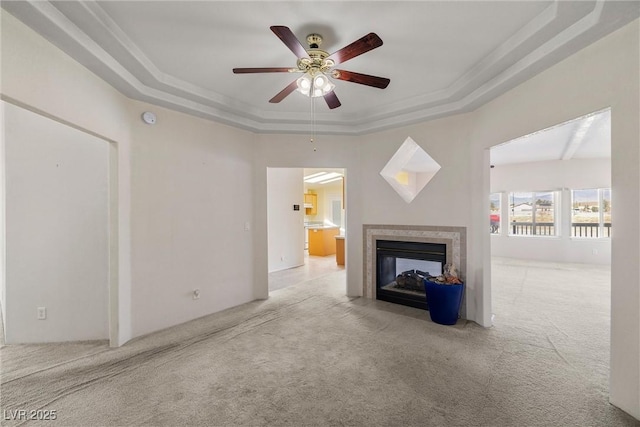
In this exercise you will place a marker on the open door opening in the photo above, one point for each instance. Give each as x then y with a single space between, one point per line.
550 215
306 213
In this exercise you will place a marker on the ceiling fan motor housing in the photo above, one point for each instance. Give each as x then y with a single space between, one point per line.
317 62
314 41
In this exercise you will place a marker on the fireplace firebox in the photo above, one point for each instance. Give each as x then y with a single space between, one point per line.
401 266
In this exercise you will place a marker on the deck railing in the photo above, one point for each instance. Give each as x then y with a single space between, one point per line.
578 229
581 229
529 229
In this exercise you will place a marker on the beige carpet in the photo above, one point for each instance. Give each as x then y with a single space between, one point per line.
311 356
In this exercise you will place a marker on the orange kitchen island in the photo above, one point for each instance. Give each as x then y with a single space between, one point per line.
322 240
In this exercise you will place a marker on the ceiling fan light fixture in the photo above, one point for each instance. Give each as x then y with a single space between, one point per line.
304 84
314 87
323 83
317 64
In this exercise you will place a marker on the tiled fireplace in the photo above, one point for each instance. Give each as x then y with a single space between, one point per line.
394 249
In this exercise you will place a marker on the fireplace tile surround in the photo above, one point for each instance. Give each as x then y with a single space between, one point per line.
455 239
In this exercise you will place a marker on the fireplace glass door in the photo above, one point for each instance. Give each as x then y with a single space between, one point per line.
401 268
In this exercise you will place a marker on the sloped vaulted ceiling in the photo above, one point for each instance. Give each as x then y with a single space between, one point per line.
442 57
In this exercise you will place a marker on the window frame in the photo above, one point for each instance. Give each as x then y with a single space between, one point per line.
601 234
497 231
557 212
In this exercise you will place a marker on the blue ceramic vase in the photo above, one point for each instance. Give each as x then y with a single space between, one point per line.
443 301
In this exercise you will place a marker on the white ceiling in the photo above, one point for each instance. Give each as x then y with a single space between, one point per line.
318 185
583 138
443 57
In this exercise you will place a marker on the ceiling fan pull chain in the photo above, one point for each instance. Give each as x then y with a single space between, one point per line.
313 121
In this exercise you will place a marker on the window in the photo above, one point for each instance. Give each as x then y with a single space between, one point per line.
494 213
532 213
591 213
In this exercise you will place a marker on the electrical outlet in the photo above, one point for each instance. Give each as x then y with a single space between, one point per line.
42 313
196 294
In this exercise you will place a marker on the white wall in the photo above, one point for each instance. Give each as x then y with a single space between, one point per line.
182 189
3 269
458 194
56 230
442 202
552 175
557 175
369 198
192 194
286 226
604 74
38 76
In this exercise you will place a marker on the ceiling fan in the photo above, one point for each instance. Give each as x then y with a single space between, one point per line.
317 66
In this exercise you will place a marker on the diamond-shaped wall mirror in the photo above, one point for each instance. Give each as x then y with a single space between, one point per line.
409 170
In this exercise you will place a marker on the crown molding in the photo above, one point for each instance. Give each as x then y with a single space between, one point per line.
550 37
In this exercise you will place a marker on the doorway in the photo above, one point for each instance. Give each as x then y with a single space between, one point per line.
306 216
549 221
550 193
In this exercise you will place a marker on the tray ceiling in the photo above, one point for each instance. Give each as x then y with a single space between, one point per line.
442 57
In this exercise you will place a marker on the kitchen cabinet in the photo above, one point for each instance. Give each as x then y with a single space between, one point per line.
322 240
340 250
310 199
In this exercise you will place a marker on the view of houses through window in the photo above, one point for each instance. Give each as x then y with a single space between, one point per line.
532 214
535 213
591 213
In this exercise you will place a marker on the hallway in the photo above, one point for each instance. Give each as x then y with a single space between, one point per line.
314 266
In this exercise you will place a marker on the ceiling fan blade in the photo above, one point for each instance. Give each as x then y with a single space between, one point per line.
284 92
332 100
289 39
358 47
264 70
363 79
